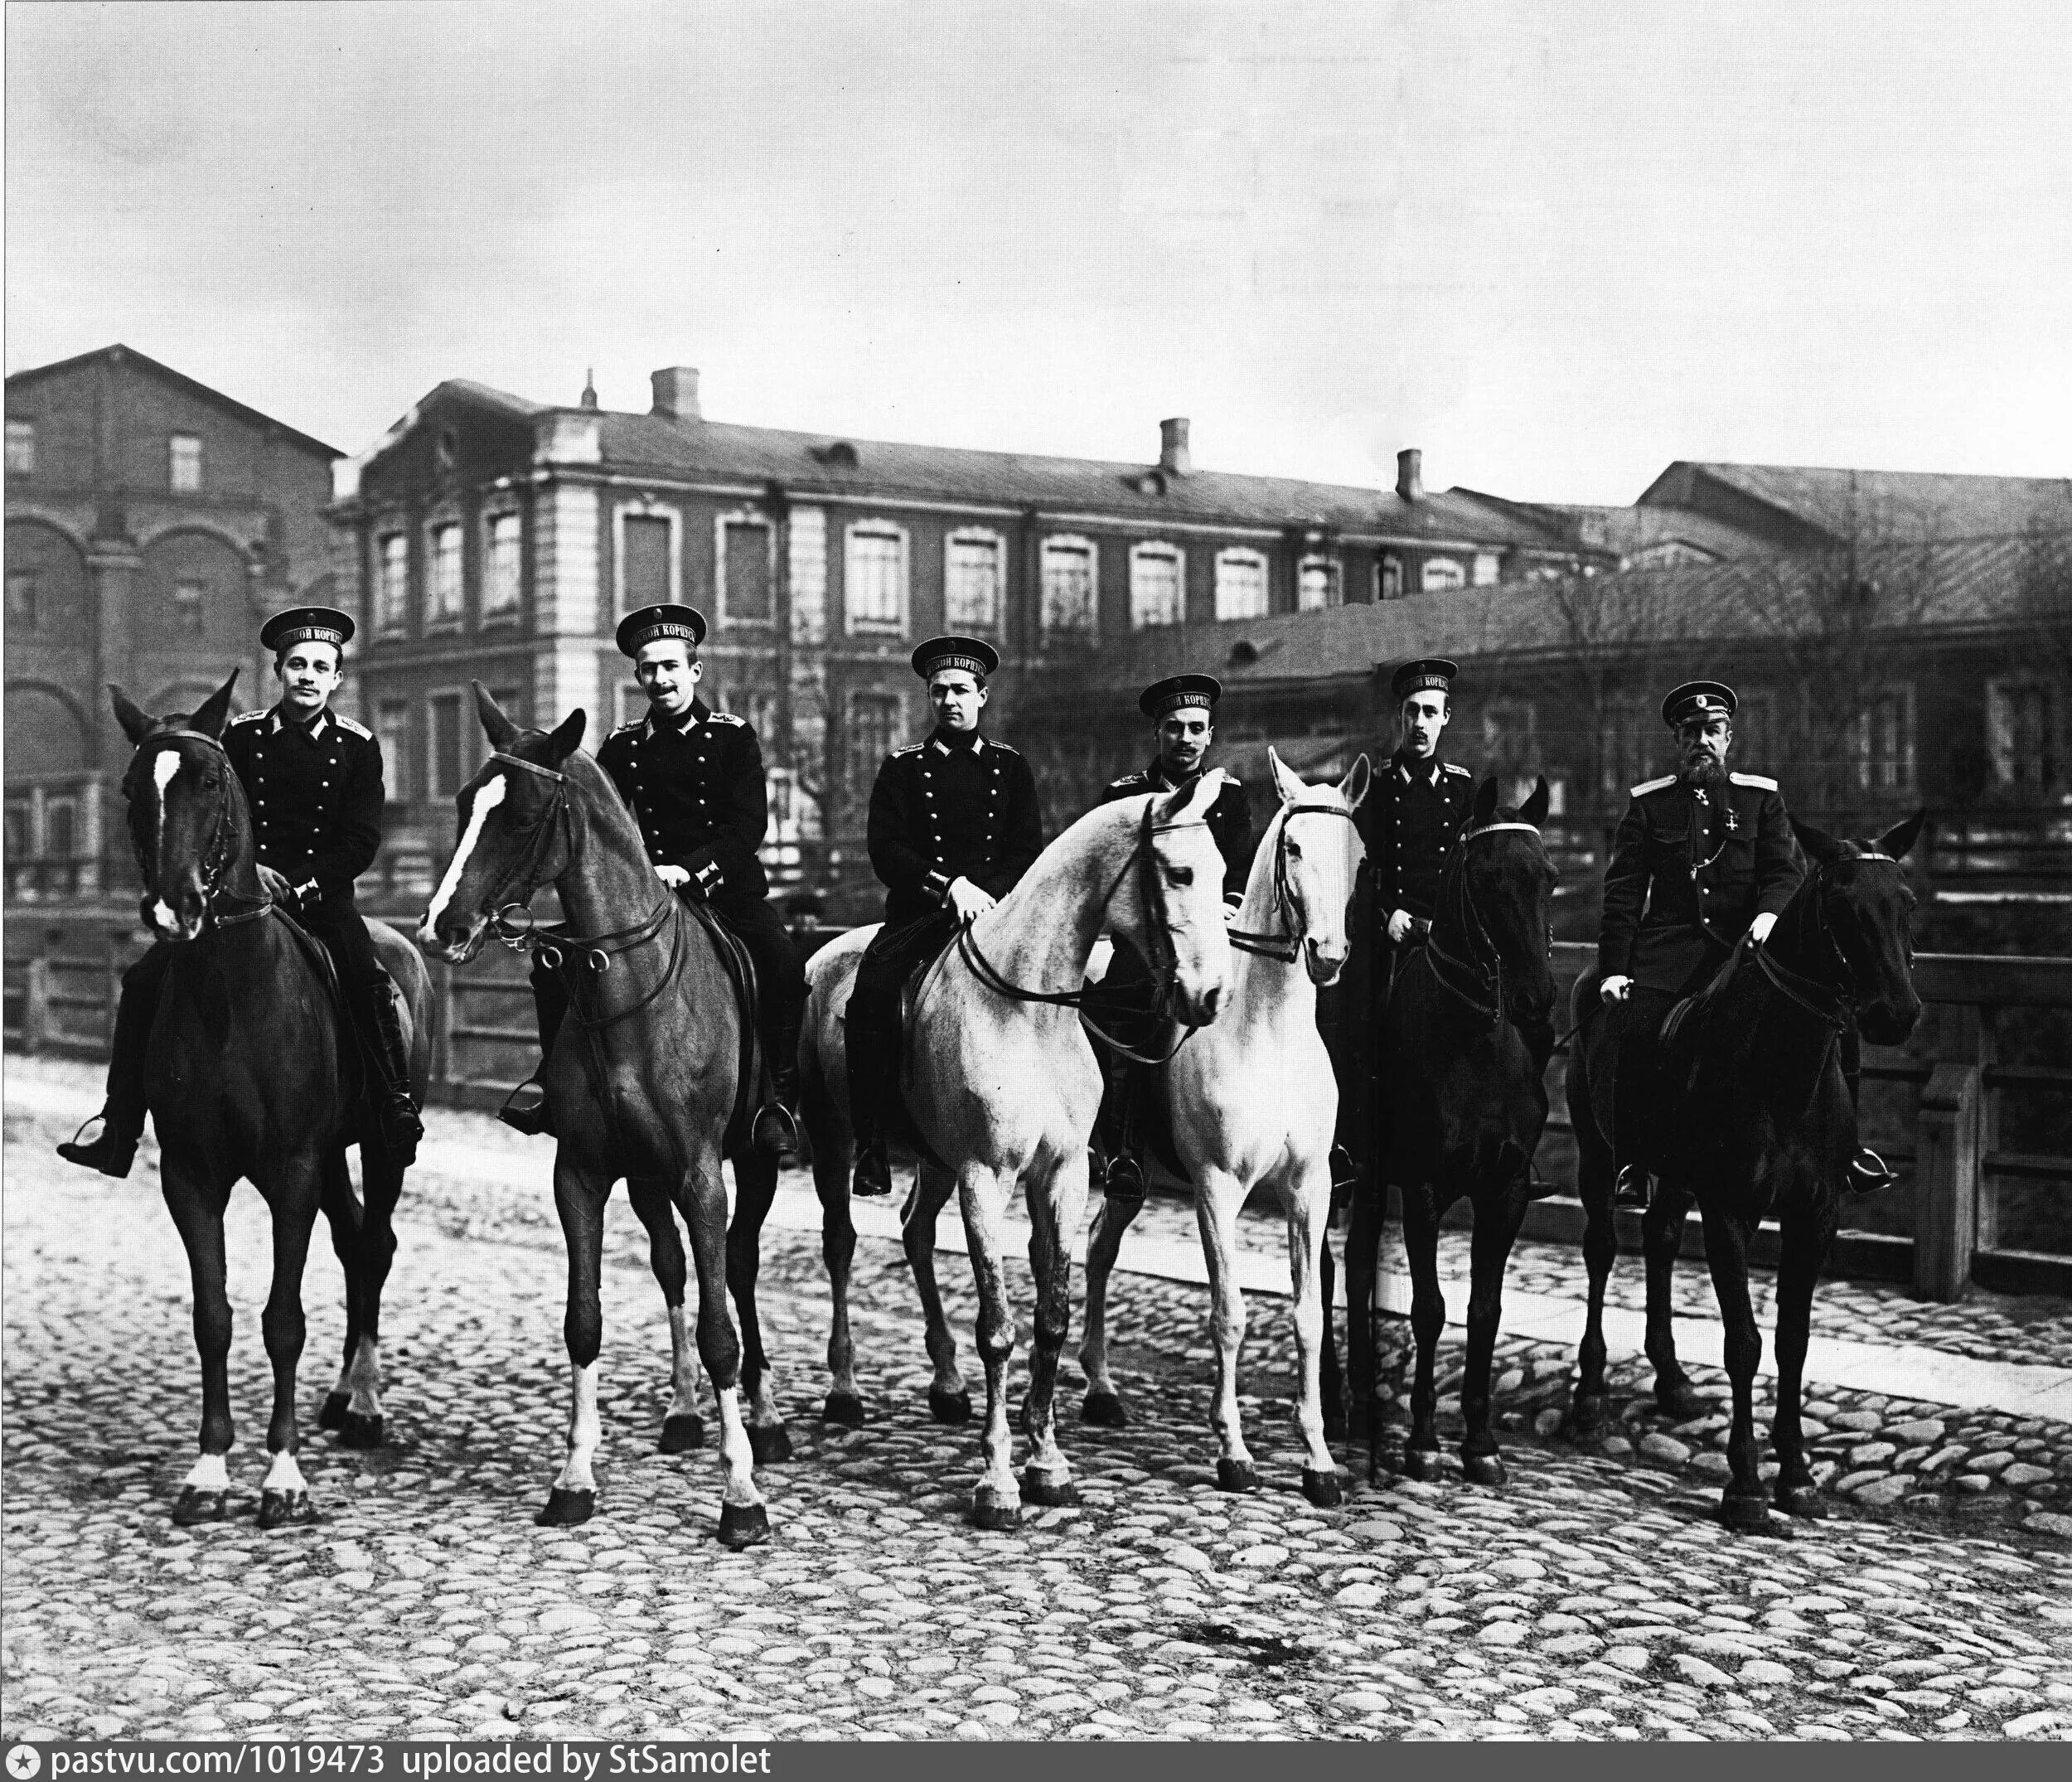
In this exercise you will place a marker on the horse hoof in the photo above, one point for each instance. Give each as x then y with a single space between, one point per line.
1421 1463
281 1509
1322 1488
743 1525
1236 1475
1802 1501
333 1414
770 1443
358 1431
845 1409
989 1509
566 1509
949 1407
1681 1401
195 1506
1587 1415
681 1433
1104 1411
1743 1515
1482 1468
1046 1490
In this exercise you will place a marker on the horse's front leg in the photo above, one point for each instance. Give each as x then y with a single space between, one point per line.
580 1190
342 1212
1803 1241
1661 1238
1306 1200
755 1182
1103 1405
1741 1505
381 1177
702 1198
197 1204
1056 1208
1362 1263
843 1406
683 1428
1218 1196
1498 1219
292 1193
1594 1175
983 1192
949 1399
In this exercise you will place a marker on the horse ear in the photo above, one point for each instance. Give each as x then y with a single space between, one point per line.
1358 781
1533 810
1898 840
1285 782
499 730
1822 848
1485 804
215 710
137 723
1192 797
567 737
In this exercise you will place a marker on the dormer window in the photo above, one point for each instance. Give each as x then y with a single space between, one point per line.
838 454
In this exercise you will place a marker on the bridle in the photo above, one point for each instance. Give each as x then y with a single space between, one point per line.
1839 1010
215 857
1285 947
1476 986
1158 922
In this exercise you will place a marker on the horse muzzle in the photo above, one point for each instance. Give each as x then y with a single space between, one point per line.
180 918
452 943
1197 1008
1324 963
1889 1024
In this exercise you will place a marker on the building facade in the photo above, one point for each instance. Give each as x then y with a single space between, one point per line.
151 523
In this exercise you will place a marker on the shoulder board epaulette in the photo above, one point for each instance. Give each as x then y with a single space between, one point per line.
355 726
1462 772
1762 779
1645 787
729 718
624 729
912 749
1005 748
250 717
1127 779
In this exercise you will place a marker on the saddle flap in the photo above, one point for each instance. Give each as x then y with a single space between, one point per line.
740 969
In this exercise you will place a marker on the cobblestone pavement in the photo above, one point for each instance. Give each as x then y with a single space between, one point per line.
1591 1597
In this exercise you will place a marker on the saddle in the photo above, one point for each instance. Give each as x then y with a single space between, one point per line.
750 1089
1681 1025
353 1072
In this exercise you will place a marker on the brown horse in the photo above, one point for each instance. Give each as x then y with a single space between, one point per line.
244 1078
643 1076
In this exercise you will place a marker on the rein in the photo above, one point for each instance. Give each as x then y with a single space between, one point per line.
1837 1008
215 858
1284 947
1471 982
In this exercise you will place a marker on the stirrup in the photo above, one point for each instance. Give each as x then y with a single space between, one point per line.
526 1110
872 1177
1869 1173
1631 1188
775 1130
1123 1179
1345 1174
401 1129
112 1154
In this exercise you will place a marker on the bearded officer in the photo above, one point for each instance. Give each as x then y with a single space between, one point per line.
312 778
955 822
694 778
1183 713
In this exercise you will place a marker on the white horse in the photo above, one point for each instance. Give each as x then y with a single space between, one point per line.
1003 1085
1253 1099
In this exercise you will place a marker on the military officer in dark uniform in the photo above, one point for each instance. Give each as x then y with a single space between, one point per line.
1416 811
313 781
1183 713
1702 857
693 777
955 822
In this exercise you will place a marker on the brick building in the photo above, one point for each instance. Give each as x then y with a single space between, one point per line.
498 540
151 522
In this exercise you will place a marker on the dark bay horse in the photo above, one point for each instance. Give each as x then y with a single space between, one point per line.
1762 1128
1463 1040
643 1078
244 1078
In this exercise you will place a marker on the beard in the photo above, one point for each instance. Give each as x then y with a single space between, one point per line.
1706 775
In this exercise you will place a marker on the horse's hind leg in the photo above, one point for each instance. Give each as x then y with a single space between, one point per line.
843 1406
1601 1250
341 1212
755 1182
949 1399
363 1425
682 1427
1218 1196
1496 1229
1055 1210
580 1190
1427 1322
996 1503
1103 1405
293 1195
1330 1381
1803 1241
1741 1505
1307 1202
196 1206
1363 1261
744 1520
1661 1238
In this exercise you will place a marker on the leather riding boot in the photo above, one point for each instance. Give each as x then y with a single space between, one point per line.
872 1178
122 1115
1869 1173
1631 1188
525 1108
396 1112
777 1121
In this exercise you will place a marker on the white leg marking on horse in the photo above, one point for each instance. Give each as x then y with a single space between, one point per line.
585 1432
683 1362
1216 1199
736 1457
210 1472
1307 1205
488 797
363 1379
284 1475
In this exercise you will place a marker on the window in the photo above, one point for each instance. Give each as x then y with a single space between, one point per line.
744 571
20 819
1487 567
1241 584
392 731
2024 735
503 564
1071 583
392 588
1443 574
443 575
22 605
971 581
1317 586
757 705
874 577
183 463
191 604
874 724
1158 586
644 559
1388 578
442 773
1631 734
21 448
1883 741
60 828
1507 742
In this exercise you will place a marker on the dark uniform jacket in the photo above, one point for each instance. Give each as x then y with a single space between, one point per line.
1229 820
1685 881
1409 821
316 795
699 793
950 809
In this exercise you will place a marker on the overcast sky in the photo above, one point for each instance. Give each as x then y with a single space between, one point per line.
1556 246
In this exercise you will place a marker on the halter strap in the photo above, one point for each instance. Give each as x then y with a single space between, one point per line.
531 767
215 858
1490 829
1283 948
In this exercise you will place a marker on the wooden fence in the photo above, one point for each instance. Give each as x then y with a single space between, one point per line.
1936 1108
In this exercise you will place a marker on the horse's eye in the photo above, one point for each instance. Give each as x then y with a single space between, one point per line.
1181 875
1294 850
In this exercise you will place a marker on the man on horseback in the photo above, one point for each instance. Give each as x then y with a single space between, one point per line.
693 777
1703 859
955 822
313 780
1417 808
1182 708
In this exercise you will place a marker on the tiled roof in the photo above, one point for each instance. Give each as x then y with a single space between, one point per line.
1875 506
119 354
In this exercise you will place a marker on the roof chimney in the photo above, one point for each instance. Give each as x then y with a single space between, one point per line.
1173 453
1410 474
676 394
589 388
